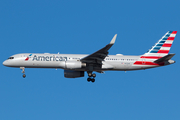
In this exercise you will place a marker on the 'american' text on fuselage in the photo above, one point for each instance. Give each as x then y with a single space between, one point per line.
49 58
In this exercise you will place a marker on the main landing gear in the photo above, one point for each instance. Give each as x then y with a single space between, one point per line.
91 77
23 71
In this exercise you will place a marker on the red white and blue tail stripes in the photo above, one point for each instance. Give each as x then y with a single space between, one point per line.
164 44
160 49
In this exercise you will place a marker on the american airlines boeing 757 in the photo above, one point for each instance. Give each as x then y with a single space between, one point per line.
75 65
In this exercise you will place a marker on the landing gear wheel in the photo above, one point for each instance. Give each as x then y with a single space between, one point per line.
24 75
23 71
93 80
89 74
93 75
88 79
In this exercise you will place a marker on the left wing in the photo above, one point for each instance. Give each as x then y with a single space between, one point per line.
98 56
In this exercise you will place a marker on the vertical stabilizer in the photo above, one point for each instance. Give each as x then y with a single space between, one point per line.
162 47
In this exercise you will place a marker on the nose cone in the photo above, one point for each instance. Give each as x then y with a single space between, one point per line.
5 63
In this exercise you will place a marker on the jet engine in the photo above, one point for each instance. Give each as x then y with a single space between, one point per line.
73 74
72 64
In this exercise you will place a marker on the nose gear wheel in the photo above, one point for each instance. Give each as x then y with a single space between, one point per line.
23 71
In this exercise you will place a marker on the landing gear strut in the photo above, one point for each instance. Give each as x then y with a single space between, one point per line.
91 77
23 71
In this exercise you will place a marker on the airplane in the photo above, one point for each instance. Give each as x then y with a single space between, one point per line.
75 65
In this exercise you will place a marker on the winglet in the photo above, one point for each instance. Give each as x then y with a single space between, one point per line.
113 40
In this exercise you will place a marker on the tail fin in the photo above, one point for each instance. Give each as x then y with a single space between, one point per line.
162 47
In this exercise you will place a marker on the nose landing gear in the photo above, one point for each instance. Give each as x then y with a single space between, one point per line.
24 75
23 71
91 77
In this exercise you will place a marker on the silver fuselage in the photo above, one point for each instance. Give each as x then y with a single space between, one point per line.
111 62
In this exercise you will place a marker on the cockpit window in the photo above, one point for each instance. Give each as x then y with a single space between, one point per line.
11 58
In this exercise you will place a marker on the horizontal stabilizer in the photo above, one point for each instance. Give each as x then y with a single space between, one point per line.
165 58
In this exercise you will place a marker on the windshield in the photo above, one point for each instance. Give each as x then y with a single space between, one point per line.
11 58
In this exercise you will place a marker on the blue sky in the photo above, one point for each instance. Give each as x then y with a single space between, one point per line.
82 27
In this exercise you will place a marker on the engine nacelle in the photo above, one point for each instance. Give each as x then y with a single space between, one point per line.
73 74
72 64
